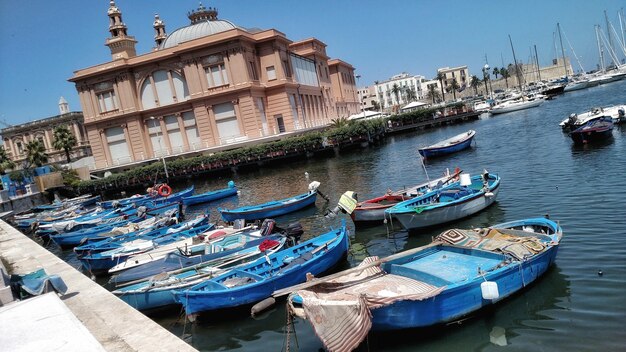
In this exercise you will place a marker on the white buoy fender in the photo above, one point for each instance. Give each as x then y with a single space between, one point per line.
466 180
263 305
489 290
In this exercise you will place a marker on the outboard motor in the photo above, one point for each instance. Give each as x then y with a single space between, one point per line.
267 227
294 230
141 211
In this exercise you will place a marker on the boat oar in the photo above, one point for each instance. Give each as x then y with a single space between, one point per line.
354 270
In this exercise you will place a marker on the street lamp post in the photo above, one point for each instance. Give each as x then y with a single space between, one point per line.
485 77
167 177
358 77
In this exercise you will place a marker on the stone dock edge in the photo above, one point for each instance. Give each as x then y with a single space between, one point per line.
115 324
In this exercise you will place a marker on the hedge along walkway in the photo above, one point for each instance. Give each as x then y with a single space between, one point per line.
345 133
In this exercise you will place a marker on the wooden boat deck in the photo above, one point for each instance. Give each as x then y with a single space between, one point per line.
453 266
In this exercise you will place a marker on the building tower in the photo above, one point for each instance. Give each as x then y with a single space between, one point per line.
159 30
202 14
64 107
121 44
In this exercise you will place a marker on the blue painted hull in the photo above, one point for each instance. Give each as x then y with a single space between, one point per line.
99 263
459 301
209 196
453 147
594 130
213 294
270 209
432 208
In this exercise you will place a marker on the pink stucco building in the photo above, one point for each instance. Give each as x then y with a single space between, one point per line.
209 84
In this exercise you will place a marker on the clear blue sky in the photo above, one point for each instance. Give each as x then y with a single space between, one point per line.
43 42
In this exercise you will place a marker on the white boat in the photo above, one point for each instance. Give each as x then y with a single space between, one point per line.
514 105
616 112
481 106
576 85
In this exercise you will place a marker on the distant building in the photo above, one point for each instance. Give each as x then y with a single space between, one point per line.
399 90
15 138
459 74
206 85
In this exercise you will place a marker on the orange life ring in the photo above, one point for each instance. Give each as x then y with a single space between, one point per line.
165 190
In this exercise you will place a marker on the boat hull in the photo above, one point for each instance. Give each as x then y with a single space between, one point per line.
593 131
200 300
264 212
453 147
457 302
505 109
209 196
445 214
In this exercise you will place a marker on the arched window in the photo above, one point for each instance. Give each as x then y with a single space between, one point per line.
163 88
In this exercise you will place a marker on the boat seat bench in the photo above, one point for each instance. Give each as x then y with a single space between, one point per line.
421 276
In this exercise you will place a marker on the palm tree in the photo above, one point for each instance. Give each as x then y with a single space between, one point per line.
64 140
410 94
396 92
475 83
5 162
440 78
496 72
36 153
505 73
454 86
433 93
339 122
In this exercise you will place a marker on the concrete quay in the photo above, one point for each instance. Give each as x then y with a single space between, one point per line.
115 325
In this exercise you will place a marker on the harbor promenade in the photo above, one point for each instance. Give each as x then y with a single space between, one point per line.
115 325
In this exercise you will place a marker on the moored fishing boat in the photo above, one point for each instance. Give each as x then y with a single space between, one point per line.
448 146
373 210
461 272
256 281
273 208
210 196
596 129
458 200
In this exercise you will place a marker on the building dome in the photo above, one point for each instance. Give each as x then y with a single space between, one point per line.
197 30
204 22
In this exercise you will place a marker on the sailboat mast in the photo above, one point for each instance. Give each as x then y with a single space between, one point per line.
600 49
537 62
558 26
621 27
519 82
608 30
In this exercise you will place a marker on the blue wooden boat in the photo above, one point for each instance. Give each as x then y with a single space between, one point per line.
270 209
210 196
138 200
156 292
162 227
256 281
74 238
458 200
461 272
597 129
100 262
448 146
220 240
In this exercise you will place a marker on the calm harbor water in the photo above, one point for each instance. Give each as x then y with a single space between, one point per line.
571 308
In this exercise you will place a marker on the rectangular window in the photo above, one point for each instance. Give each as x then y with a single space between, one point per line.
287 68
106 101
294 111
154 130
20 147
226 120
216 75
261 106
253 73
174 133
118 148
271 73
191 130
